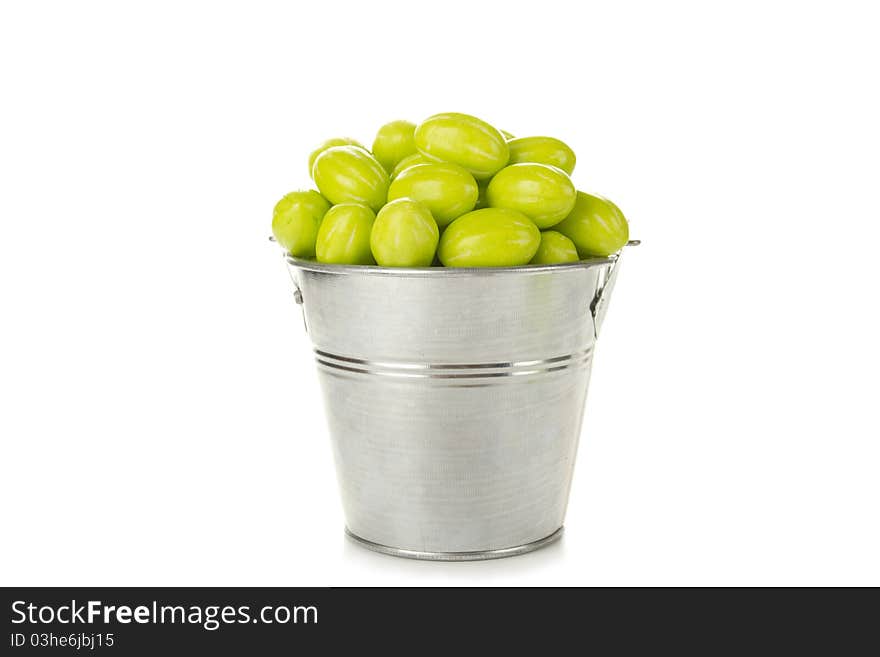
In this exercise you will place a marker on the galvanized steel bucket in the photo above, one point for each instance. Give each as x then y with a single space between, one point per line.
454 398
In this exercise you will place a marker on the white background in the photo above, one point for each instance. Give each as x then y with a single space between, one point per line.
161 420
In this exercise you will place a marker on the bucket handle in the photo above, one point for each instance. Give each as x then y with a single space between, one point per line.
604 286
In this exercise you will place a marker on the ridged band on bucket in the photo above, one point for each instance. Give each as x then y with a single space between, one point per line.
454 398
451 372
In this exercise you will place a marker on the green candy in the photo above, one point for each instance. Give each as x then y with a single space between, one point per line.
344 235
295 221
330 143
555 248
393 142
452 191
595 225
410 161
404 235
492 237
349 174
446 189
542 150
464 140
543 193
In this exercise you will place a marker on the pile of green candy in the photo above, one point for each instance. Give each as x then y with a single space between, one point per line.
451 191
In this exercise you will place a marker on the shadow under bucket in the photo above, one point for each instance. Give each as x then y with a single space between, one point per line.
454 398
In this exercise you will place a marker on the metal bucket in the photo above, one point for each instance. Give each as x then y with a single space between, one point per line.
454 398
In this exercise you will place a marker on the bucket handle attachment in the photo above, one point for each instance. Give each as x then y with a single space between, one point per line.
297 293
298 297
604 287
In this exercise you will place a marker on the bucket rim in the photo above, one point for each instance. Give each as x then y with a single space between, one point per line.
375 270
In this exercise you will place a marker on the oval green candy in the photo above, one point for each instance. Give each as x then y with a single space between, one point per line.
349 174
464 140
447 189
344 235
492 237
404 235
542 150
554 248
543 193
595 225
393 142
330 143
295 221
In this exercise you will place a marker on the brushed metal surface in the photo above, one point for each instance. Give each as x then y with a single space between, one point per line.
454 398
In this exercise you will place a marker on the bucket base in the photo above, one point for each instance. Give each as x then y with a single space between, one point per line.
457 556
